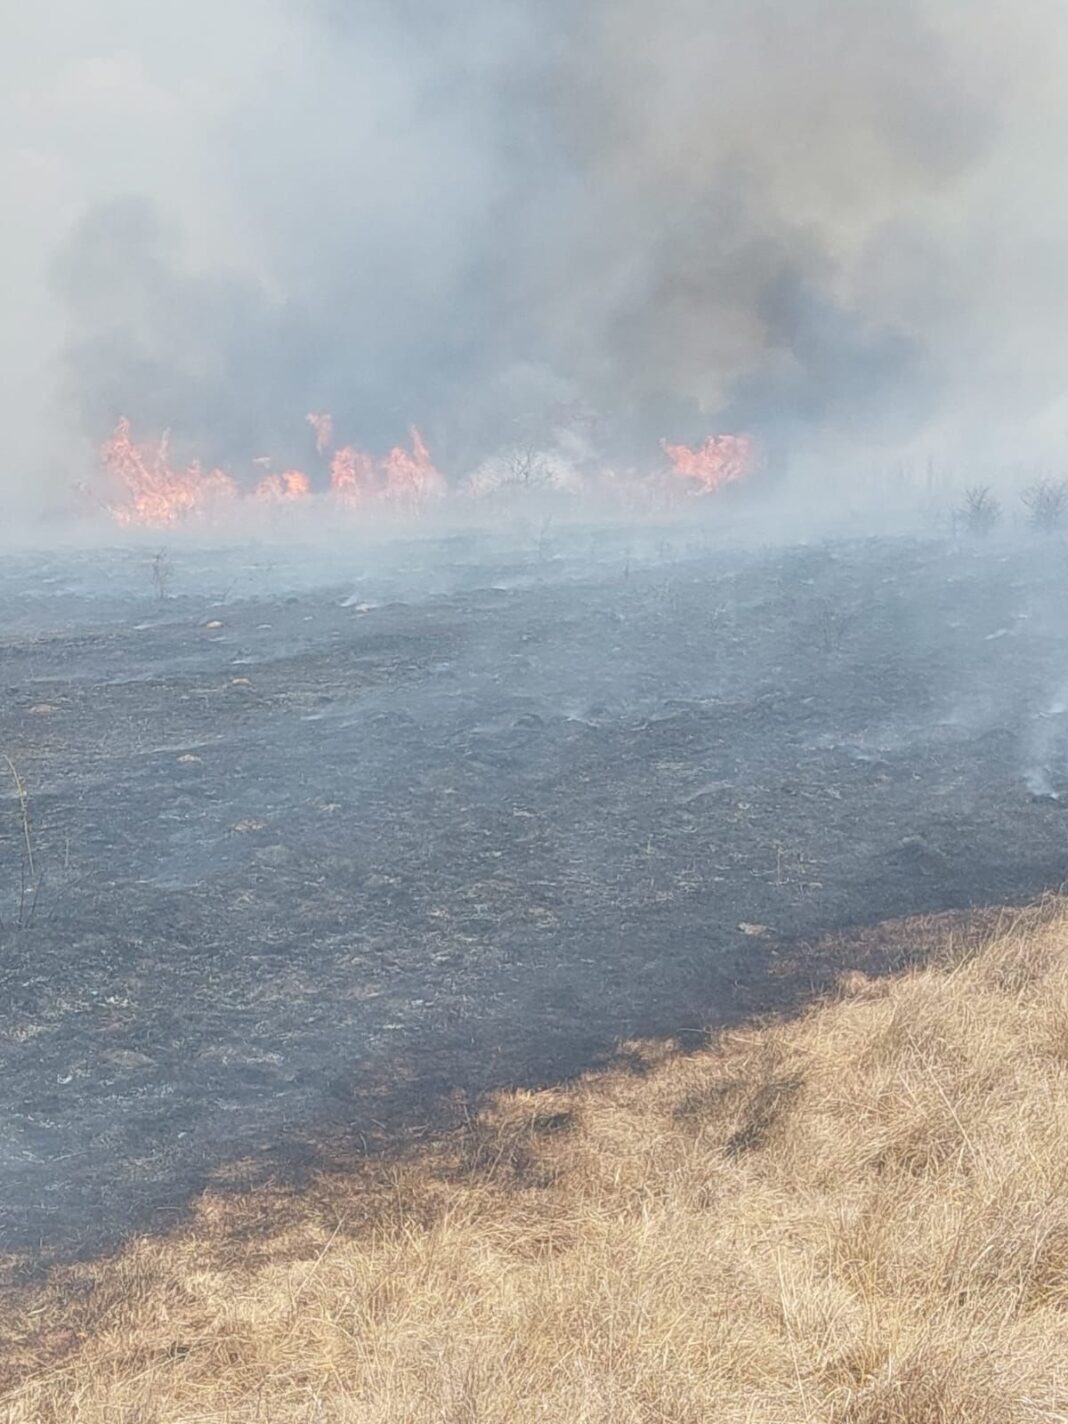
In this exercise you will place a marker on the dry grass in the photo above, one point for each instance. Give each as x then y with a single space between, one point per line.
860 1217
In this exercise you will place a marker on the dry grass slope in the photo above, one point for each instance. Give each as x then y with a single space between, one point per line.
859 1217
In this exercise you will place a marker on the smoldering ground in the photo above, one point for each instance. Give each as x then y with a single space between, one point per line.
839 228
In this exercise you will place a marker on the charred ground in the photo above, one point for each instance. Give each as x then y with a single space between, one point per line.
321 866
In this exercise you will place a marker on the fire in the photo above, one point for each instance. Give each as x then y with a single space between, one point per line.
352 474
412 478
719 461
158 492
284 488
406 476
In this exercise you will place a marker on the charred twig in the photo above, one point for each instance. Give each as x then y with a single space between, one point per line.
29 881
162 573
833 624
24 811
543 537
27 923
31 889
791 872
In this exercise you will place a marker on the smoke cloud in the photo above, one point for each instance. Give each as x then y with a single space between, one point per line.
839 227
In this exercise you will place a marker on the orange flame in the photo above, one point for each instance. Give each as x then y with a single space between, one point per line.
284 488
408 476
352 474
720 460
412 478
158 493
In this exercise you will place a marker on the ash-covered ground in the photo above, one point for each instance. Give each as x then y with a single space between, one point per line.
328 847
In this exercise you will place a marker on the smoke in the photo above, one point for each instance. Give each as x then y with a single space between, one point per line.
837 226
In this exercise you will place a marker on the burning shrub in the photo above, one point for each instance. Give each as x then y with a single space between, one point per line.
158 492
720 460
1047 503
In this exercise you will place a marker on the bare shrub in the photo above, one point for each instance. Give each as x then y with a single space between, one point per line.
980 512
833 623
527 467
1047 503
162 574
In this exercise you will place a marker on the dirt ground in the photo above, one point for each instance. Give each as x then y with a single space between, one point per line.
323 859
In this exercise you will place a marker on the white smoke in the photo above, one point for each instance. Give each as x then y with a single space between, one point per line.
841 226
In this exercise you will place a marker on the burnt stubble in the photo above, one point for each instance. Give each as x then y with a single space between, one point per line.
320 867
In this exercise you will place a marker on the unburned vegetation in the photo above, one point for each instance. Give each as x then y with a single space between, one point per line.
858 1216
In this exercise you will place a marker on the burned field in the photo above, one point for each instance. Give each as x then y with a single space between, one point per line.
318 861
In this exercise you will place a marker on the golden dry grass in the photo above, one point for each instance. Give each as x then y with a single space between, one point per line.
857 1217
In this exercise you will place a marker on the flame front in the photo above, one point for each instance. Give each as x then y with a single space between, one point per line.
285 488
719 461
412 478
352 474
158 493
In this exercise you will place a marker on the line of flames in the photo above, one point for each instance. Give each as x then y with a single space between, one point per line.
156 492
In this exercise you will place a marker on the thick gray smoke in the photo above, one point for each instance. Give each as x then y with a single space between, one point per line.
839 226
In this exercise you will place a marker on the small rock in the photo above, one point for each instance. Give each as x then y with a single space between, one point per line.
128 1058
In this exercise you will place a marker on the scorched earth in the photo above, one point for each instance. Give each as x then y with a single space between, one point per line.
324 849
